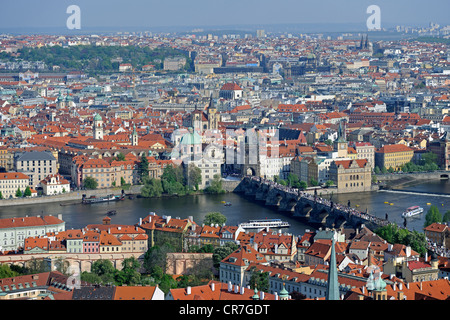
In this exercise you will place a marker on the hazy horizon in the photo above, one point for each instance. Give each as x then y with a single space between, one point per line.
176 14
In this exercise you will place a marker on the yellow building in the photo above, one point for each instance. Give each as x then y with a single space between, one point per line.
395 156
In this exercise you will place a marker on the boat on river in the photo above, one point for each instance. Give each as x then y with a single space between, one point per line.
264 223
412 211
94 199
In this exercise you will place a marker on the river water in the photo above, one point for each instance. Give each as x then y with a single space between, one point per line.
242 208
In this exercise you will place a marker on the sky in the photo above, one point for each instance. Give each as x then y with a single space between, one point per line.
161 13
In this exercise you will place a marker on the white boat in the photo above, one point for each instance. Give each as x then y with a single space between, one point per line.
412 211
264 223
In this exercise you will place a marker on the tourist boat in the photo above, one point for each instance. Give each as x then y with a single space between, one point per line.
264 223
227 204
94 199
412 211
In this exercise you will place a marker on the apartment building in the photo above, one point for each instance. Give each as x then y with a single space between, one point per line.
10 182
35 164
14 231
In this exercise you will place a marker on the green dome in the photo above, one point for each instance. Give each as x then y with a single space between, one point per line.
191 138
97 117
284 293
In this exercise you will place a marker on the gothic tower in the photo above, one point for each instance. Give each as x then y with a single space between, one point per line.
212 115
332 284
98 127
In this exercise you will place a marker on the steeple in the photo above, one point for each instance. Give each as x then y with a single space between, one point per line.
332 284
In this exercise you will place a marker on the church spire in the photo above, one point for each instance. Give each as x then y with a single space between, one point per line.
332 284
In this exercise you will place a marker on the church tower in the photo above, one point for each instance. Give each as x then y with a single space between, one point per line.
134 137
98 127
332 283
341 144
212 115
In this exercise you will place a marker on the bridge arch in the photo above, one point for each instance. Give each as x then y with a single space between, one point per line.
321 215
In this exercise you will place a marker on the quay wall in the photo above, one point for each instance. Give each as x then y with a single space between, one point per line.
69 196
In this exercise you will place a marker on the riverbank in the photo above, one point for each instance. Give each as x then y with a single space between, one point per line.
74 196
69 196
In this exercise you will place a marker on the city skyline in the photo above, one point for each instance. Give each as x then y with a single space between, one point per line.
175 14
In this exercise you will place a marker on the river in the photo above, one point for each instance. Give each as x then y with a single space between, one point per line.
242 208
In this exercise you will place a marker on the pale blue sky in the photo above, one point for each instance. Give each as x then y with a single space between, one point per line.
153 13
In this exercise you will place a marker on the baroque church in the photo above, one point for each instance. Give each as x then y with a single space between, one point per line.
201 121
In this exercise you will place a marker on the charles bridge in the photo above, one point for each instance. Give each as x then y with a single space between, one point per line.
306 205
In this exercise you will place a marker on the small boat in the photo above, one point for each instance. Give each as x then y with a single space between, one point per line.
428 204
391 204
111 212
223 202
227 204
412 211
386 202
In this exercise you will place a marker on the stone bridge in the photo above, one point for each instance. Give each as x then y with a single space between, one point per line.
306 205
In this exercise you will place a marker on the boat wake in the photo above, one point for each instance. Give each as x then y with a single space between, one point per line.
418 193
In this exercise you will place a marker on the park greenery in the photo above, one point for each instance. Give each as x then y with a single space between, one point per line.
96 59
394 234
435 216
176 181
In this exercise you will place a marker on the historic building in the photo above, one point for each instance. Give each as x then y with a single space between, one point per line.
393 156
351 175
14 231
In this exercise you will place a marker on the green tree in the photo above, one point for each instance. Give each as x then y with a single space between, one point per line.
377 170
102 267
18 193
152 188
155 259
143 168
6 272
120 157
222 252
259 280
90 183
433 215
27 192
329 183
216 185
215 218
446 217
194 176
303 185
313 182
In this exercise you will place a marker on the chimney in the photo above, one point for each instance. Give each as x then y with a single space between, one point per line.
236 289
213 286
261 295
360 297
60 216
408 251
276 295
188 290
400 286
242 290
400 295
230 286
140 221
